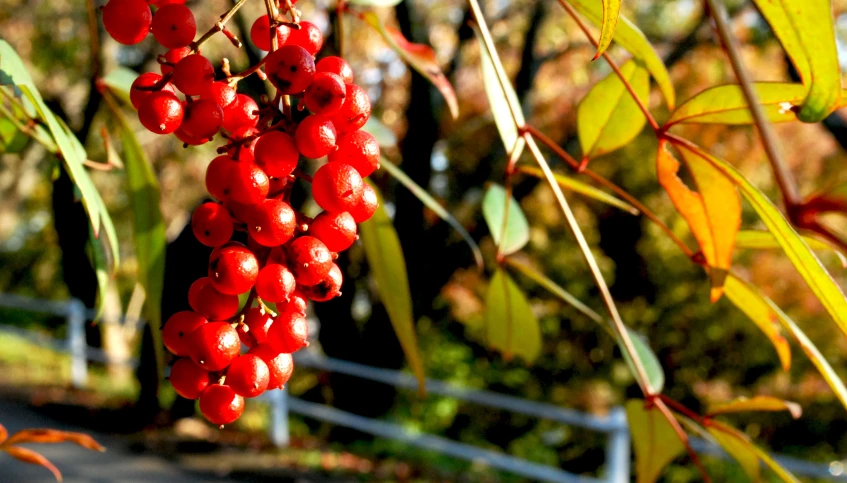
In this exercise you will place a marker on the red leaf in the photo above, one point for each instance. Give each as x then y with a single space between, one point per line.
54 436
31 457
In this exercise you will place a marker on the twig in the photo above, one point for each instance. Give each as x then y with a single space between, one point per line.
219 26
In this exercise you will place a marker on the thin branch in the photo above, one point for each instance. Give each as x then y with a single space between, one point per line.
219 26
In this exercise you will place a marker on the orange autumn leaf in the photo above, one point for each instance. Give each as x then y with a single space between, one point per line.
54 436
713 212
31 457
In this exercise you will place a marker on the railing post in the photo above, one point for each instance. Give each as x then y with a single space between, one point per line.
279 418
617 449
76 343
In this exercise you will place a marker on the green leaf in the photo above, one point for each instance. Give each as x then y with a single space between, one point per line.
628 36
420 57
608 117
756 403
511 327
583 188
726 104
648 359
765 240
102 269
12 140
805 29
804 260
510 231
119 81
383 135
385 257
654 440
611 12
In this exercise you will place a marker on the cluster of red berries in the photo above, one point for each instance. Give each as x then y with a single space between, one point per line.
288 258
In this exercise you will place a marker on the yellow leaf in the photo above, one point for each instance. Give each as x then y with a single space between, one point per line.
611 11
654 440
757 403
761 314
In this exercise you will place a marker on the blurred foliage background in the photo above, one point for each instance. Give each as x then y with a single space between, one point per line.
709 352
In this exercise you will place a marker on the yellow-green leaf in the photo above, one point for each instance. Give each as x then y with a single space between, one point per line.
385 257
511 327
804 260
756 403
12 139
713 213
654 440
765 240
611 11
582 188
805 29
628 36
726 104
510 230
420 57
737 445
760 312
608 117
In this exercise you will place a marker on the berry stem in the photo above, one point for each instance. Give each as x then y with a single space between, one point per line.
218 27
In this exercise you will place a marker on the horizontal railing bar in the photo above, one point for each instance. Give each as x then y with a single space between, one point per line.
436 443
33 305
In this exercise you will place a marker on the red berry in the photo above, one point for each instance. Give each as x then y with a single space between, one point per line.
212 224
366 207
275 283
336 230
243 213
147 79
328 288
189 139
280 365
248 183
127 21
176 334
325 95
289 333
218 177
309 260
315 136
193 75
290 69
244 151
220 93
276 154
241 113
257 324
233 269
188 379
248 375
208 302
214 345
355 111
161 112
172 56
221 405
273 224
358 149
260 34
309 37
337 187
336 65
297 303
202 119
174 26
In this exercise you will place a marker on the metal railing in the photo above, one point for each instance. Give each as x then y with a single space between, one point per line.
614 425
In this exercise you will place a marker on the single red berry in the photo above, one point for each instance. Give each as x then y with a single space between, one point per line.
127 21
214 345
172 56
280 364
275 283
328 288
241 113
218 177
336 65
244 151
241 212
258 323
309 37
358 149
273 224
337 187
188 379
176 334
355 111
202 119
161 112
248 183
297 303
309 260
315 136
193 75
367 205
289 333
189 139
290 69
220 93
221 405
147 79
276 153
248 375
208 302
336 230
212 224
174 26
325 95
233 269
260 34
